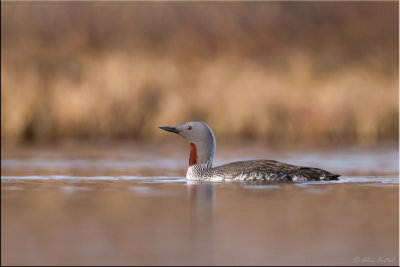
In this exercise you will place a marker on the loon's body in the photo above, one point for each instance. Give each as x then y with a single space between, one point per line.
202 144
258 170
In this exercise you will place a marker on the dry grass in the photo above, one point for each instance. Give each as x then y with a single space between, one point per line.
282 72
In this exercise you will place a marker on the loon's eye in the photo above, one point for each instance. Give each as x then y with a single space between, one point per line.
189 128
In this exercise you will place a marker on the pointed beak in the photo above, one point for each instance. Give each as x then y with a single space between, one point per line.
169 129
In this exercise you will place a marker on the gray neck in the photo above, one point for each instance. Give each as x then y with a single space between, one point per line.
206 152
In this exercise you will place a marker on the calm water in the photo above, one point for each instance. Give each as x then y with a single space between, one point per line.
130 204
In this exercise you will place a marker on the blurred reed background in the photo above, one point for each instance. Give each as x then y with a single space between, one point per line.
281 72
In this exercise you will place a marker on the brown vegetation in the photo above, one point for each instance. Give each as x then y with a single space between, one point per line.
283 72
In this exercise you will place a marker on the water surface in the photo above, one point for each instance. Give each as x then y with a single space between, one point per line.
133 209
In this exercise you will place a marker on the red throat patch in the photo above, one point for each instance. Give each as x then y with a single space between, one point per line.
193 155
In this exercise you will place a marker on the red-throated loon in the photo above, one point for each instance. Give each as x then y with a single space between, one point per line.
202 150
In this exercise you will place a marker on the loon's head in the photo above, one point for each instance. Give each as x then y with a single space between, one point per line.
201 139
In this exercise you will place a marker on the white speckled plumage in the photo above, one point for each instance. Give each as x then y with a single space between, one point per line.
200 168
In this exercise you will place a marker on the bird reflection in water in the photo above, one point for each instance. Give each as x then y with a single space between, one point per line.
201 199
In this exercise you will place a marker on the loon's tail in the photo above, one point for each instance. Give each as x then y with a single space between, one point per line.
331 177
318 174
